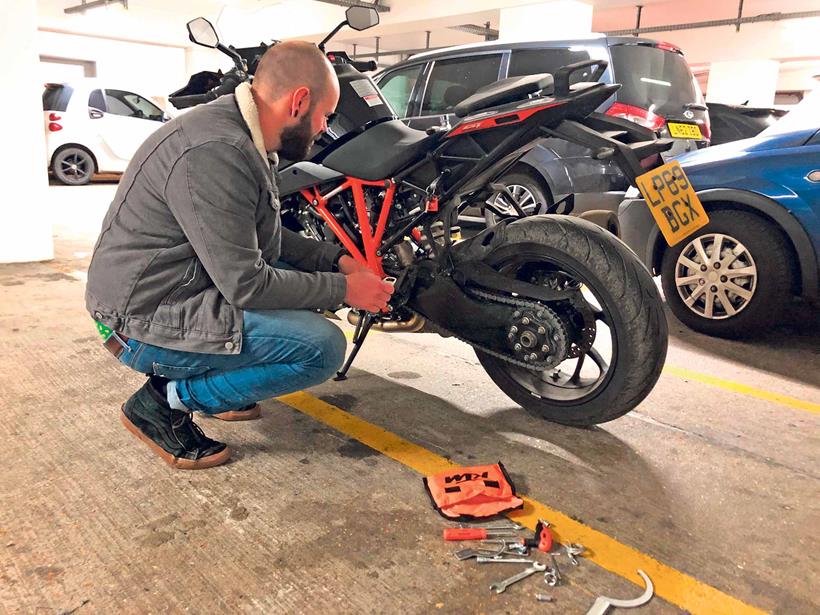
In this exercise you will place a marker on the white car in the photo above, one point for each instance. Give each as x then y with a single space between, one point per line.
92 129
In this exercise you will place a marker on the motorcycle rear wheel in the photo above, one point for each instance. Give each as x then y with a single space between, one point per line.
627 309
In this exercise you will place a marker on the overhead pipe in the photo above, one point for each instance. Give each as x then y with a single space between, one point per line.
715 23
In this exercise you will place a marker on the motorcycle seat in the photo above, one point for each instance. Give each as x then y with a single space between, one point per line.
504 91
380 151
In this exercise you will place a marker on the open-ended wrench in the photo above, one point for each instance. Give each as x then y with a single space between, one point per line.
500 586
602 603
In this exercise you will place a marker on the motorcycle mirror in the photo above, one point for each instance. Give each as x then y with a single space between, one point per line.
361 18
202 32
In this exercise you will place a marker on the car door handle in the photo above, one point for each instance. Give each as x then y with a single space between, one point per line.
95 114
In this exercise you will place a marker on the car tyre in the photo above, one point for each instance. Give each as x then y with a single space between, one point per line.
530 191
73 166
733 294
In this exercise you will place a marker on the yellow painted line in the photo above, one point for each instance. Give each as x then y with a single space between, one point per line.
678 588
743 389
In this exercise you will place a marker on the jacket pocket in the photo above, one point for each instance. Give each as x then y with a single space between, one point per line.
187 280
178 372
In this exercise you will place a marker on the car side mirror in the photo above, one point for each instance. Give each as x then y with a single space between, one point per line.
361 18
95 114
202 32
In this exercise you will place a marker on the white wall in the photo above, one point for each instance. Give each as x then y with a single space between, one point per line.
25 223
150 70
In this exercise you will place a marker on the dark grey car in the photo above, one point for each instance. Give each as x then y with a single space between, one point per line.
658 92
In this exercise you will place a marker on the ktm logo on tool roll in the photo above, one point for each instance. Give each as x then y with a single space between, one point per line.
461 478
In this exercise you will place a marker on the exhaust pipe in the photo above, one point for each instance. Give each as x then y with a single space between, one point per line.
414 325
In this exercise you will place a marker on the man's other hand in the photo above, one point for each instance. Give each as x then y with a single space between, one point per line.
348 265
366 291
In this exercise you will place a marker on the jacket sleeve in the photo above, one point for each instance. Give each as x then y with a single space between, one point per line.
308 254
213 195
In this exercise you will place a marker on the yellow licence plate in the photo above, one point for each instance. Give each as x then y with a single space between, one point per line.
672 201
684 131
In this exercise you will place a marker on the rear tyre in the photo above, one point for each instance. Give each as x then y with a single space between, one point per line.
731 278
73 166
528 191
629 349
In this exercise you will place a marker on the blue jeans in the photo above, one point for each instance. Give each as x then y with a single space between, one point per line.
282 351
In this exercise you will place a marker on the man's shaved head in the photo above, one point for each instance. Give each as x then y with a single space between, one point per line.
289 65
295 90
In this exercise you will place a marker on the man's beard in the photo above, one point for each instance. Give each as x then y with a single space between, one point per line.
297 140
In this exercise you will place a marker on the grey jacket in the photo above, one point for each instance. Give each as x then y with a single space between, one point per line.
191 237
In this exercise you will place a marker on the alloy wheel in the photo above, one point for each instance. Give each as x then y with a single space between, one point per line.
716 276
523 196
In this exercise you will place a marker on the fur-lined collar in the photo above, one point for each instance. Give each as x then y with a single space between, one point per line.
247 107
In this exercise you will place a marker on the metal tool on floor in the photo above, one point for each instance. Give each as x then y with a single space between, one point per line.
572 549
500 586
602 603
502 525
552 575
463 554
475 533
542 539
504 560
544 598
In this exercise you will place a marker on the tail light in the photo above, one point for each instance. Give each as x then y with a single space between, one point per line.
644 117
706 128
54 126
668 47
53 117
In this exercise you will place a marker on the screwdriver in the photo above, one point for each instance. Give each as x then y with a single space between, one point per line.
476 533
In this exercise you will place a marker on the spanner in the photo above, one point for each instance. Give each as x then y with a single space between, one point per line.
503 560
573 549
602 603
500 586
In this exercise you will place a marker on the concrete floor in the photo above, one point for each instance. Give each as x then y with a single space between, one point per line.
716 483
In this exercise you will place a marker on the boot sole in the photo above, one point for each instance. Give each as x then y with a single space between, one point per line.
239 415
177 462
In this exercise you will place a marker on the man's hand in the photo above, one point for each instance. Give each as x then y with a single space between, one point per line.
366 291
348 265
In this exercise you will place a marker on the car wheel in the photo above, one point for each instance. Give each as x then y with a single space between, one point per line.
731 278
528 192
73 166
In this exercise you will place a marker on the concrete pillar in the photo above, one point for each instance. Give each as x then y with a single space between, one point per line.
545 20
736 82
25 219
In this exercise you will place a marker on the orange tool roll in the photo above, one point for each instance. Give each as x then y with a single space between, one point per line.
472 493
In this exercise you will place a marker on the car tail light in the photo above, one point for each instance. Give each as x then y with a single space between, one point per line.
706 128
54 126
53 117
644 117
668 47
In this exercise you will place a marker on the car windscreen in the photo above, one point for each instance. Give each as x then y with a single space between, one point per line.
654 79
56 96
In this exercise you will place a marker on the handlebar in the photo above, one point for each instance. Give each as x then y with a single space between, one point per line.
364 66
184 102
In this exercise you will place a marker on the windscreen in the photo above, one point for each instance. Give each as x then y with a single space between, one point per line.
654 79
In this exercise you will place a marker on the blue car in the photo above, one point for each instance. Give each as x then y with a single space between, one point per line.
762 243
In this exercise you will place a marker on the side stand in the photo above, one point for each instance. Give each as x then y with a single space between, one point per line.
362 329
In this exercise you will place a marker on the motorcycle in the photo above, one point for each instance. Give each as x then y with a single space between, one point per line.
562 316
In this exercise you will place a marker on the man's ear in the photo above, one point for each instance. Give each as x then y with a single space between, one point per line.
300 101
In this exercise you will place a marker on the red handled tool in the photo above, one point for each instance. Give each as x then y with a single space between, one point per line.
543 538
475 533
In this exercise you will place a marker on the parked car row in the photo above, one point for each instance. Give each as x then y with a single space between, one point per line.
658 91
